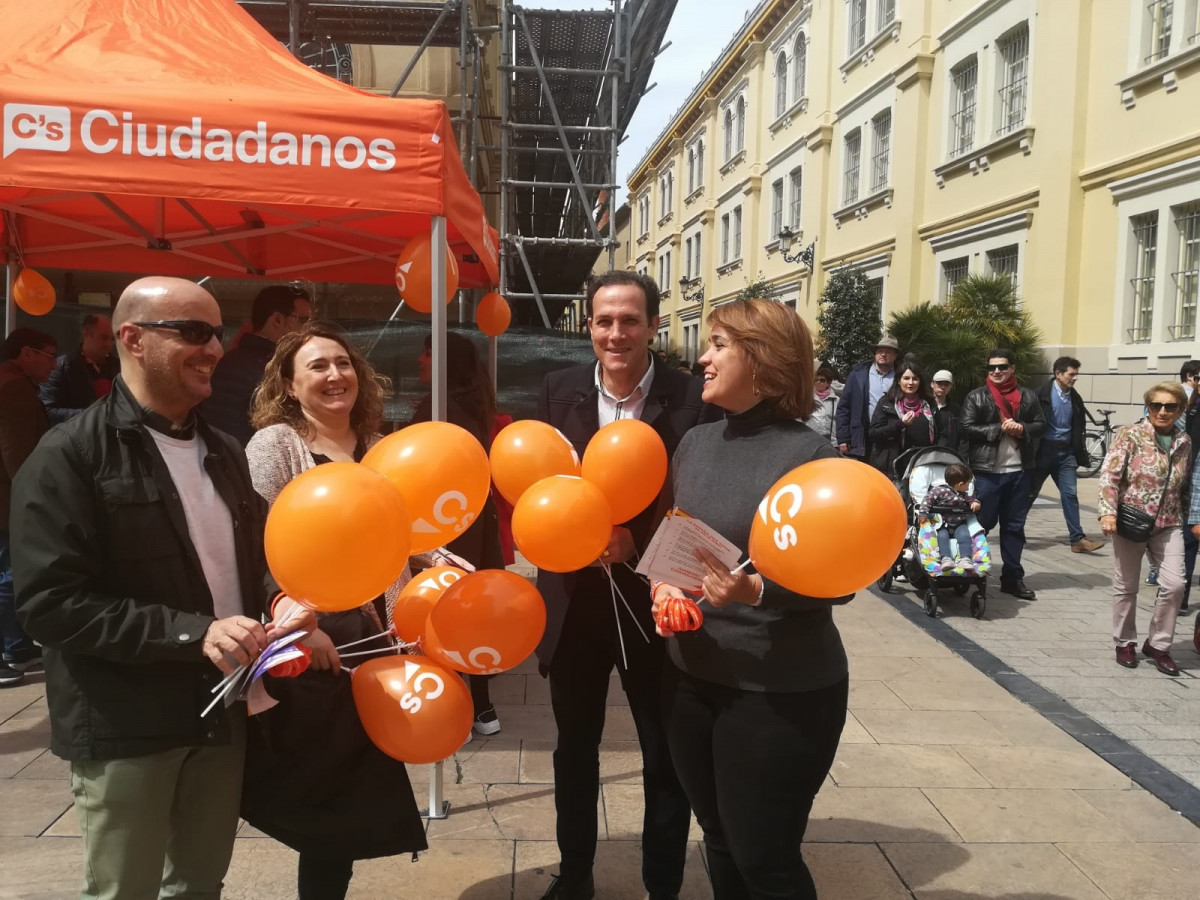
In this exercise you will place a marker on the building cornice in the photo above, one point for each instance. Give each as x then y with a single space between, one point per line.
787 151
870 261
1184 172
1162 72
866 53
1143 161
971 18
917 69
1027 200
1018 221
979 159
866 95
872 253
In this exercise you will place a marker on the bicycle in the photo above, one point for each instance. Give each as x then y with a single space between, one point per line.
1095 442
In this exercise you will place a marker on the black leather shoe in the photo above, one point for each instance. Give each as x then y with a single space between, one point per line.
1162 659
1017 589
570 890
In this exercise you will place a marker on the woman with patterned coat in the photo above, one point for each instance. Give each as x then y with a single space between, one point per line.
1146 470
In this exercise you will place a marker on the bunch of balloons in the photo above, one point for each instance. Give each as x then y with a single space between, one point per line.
340 534
414 281
564 511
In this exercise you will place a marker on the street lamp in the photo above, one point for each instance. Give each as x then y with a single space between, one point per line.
684 297
786 237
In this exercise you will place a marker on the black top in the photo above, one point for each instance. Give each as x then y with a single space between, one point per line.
722 472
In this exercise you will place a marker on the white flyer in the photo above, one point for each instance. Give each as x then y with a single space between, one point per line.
671 556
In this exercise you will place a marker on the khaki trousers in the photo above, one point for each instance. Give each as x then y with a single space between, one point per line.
1165 549
160 825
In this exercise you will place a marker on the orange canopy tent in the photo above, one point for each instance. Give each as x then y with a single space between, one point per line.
175 137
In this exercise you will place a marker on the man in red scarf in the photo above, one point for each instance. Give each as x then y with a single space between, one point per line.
1003 423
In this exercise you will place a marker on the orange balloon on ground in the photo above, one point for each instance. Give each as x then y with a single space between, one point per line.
527 451
493 315
33 292
418 598
442 471
414 278
412 708
562 523
487 622
789 535
337 536
627 460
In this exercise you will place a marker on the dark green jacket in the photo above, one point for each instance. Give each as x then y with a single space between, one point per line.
108 581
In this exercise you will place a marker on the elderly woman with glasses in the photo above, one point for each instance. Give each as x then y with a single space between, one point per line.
1142 486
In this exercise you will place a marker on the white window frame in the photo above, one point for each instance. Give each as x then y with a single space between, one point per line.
781 84
796 184
687 258
964 106
1012 96
1185 279
727 133
851 165
799 68
881 150
998 261
740 119
776 209
885 13
691 164
976 241
856 26
737 232
725 239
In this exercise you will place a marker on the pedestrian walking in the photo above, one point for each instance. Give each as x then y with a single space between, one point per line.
947 413
825 402
865 386
904 418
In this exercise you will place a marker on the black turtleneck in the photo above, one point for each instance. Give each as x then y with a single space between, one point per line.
721 472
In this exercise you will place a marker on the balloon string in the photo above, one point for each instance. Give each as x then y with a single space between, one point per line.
369 652
374 637
636 572
628 609
742 566
616 615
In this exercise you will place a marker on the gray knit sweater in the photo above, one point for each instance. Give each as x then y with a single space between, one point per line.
789 643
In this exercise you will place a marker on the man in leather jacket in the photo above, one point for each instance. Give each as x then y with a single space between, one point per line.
1002 424
138 564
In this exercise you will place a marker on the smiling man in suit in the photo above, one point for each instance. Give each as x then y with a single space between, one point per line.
583 639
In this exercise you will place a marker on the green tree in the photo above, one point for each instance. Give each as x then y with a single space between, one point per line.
758 289
850 320
983 312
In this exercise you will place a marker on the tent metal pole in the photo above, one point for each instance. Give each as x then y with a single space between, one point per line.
293 26
10 303
438 316
464 30
613 85
505 140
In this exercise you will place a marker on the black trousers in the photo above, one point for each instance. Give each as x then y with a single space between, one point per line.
752 763
583 660
323 877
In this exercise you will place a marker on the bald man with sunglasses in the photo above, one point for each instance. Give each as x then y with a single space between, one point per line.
138 564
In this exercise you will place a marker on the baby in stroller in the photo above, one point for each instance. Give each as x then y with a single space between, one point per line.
951 503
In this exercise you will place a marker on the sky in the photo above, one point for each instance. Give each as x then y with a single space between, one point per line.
698 32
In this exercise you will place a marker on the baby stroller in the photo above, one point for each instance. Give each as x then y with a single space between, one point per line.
915 472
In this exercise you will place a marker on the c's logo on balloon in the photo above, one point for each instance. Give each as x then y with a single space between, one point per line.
476 659
411 701
786 536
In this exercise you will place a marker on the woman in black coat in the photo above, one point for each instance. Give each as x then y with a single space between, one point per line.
903 419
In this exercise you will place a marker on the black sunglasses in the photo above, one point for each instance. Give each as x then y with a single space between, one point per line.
193 331
1000 367
1163 407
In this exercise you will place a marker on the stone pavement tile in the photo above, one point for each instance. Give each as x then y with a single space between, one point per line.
1023 816
1182 765
619 761
66 825
1146 870
616 693
40 868
949 695
993 871
896 765
534 723
18 749
1026 728
48 766
924 726
854 733
900 642
852 872
15 699
1143 816
32 719
491 761
624 805
522 812
537 690
617 872
1044 767
507 689
873 695
868 815
1155 747
30 805
952 669
879 668
471 818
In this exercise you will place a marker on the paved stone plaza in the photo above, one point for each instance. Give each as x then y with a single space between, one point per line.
946 784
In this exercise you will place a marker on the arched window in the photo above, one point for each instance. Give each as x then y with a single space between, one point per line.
699 163
800 64
741 124
781 85
691 169
728 134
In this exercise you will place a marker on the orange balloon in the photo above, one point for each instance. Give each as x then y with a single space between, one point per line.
528 451
337 536
789 535
442 471
33 292
562 523
418 598
488 622
412 708
414 279
493 315
627 460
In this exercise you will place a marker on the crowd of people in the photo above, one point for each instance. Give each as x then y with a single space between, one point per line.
137 568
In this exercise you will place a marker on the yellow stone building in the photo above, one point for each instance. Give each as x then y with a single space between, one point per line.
1053 142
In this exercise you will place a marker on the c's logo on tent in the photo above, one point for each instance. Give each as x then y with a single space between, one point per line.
30 127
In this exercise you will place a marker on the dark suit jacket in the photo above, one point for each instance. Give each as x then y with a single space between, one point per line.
70 390
569 402
1078 420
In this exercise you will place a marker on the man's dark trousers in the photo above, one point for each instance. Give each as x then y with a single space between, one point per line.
578 692
1004 499
1058 461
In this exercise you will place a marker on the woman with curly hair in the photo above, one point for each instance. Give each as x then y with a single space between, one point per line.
314 781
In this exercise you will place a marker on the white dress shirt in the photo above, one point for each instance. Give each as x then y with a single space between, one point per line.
612 408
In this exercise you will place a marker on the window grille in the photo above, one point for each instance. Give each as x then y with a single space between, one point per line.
881 127
1145 242
853 160
962 117
1014 80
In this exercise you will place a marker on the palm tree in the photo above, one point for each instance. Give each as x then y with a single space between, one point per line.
983 313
